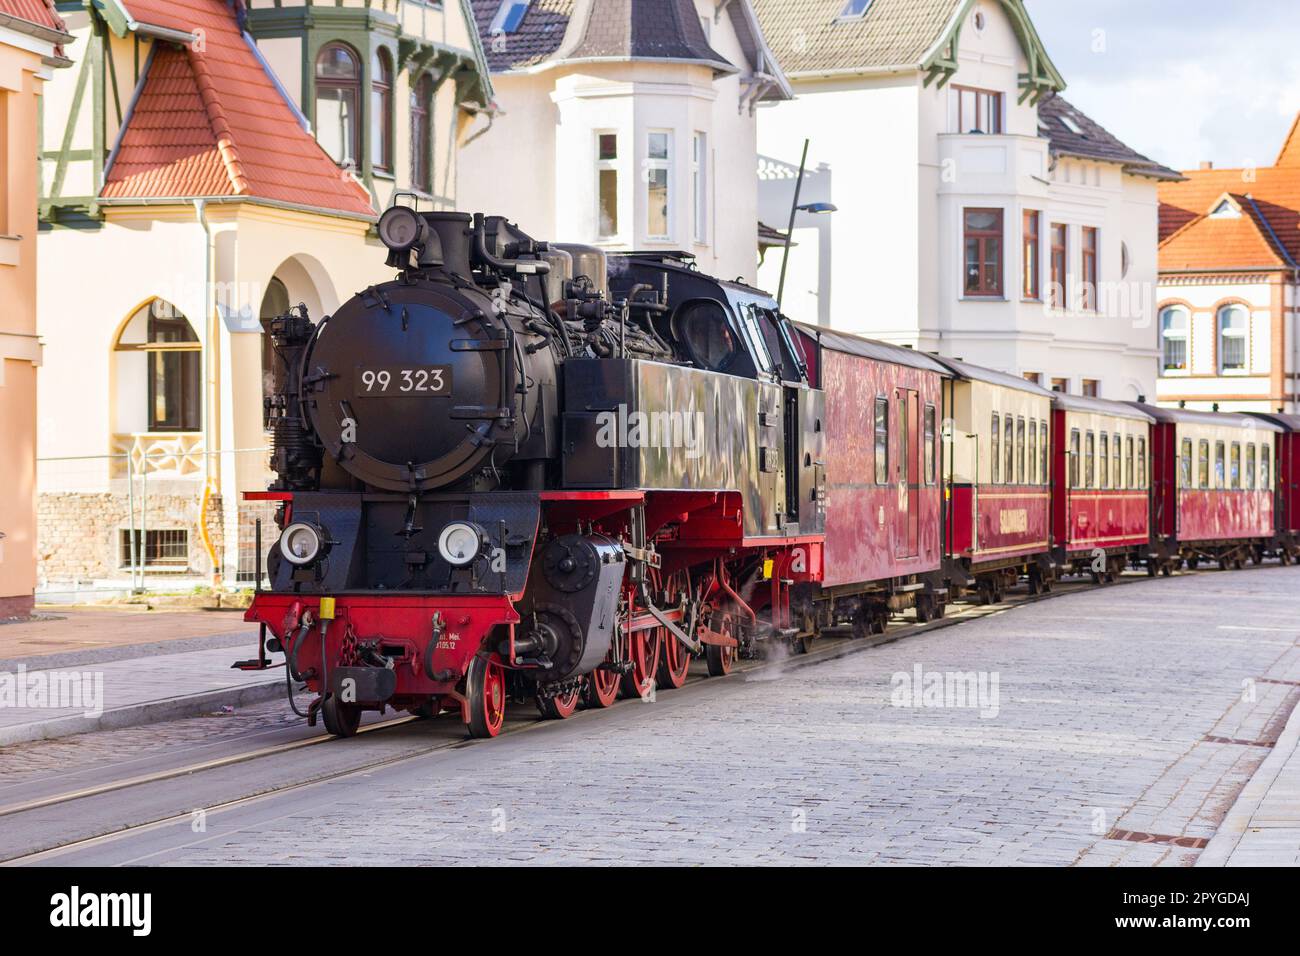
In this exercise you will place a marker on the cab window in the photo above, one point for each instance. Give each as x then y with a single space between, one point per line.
703 328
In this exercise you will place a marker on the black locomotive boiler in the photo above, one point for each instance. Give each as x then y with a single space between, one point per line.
523 470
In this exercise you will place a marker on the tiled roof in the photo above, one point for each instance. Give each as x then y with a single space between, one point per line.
807 36
211 122
598 29
40 12
1290 152
1092 141
43 15
1265 234
539 35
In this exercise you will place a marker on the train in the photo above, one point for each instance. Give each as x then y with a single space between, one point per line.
542 472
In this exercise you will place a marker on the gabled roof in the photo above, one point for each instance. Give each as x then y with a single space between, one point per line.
1264 235
566 31
1092 141
212 122
1289 155
38 18
810 38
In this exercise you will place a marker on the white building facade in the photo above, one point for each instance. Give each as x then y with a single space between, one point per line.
625 125
979 215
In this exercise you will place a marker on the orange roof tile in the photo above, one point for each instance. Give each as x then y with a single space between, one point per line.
209 121
40 12
1266 234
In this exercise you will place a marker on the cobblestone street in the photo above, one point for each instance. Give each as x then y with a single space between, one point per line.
1116 727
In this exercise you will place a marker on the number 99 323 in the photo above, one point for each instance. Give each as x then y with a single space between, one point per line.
403 382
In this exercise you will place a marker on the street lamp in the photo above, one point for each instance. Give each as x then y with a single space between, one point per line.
816 208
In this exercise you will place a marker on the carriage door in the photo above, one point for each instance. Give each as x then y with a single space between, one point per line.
908 471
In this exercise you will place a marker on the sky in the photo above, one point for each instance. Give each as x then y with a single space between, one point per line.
1181 81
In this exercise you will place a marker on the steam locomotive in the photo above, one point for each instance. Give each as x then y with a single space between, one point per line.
528 470
533 471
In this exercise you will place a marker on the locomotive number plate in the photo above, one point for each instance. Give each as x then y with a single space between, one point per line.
393 381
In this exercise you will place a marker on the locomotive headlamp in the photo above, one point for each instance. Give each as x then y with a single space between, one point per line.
461 542
402 229
301 543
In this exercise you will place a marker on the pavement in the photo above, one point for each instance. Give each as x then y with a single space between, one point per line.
1145 725
1263 826
77 671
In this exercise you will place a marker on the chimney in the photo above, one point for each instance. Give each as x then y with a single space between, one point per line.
1207 164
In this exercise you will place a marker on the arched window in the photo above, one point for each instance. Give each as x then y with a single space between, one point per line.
1234 325
422 134
381 112
160 361
338 101
1174 326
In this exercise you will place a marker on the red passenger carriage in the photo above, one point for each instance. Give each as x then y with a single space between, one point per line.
1100 485
1212 497
997 481
882 456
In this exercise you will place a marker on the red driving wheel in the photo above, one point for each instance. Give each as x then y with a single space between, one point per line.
600 689
560 706
720 658
644 654
485 690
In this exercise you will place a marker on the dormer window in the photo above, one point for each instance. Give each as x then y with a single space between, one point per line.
854 9
509 16
978 111
1226 210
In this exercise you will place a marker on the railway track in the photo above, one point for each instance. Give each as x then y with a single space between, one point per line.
823 650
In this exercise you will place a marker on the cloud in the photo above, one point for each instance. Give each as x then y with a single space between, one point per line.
1180 81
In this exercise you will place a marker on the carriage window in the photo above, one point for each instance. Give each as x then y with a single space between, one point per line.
1074 458
1142 463
904 452
1033 452
1220 464
1185 464
1043 477
882 441
1128 462
929 444
1116 471
1105 461
1009 449
1203 464
1020 451
1234 469
1250 467
1265 459
996 458
1090 460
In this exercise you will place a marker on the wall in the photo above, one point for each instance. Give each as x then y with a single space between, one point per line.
1268 382
22 78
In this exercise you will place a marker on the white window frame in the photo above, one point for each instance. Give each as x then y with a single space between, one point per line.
1183 335
612 165
700 186
652 165
1243 334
